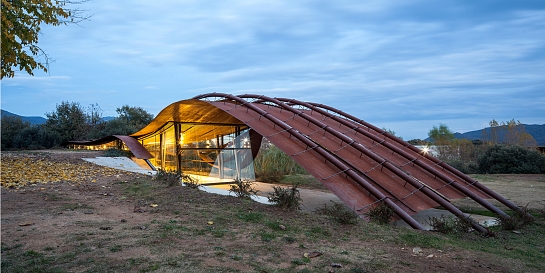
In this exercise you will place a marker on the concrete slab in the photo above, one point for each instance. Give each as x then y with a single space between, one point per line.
120 163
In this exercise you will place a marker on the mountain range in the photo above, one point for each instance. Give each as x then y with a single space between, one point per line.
32 120
37 120
536 131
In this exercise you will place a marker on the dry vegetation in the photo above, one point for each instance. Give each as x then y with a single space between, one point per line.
113 221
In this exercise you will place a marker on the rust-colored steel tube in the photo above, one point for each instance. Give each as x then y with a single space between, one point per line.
425 166
361 181
418 185
456 172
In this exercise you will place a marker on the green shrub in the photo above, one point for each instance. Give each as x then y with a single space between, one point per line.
381 213
467 167
518 220
36 137
243 188
340 213
286 198
114 152
450 225
174 178
511 159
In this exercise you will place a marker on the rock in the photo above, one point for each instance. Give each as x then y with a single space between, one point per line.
88 211
139 209
25 224
417 250
123 221
282 227
106 228
313 254
338 265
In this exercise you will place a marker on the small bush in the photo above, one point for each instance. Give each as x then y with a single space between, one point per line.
190 182
174 178
340 213
114 152
269 176
450 225
511 159
516 221
286 198
381 214
243 188
170 178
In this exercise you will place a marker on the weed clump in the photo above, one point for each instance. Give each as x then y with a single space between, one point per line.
381 214
340 213
518 220
243 188
174 178
450 225
114 152
286 198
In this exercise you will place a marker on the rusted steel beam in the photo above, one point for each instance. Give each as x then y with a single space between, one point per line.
415 183
327 155
428 168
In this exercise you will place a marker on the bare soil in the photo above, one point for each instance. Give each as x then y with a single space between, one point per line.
123 222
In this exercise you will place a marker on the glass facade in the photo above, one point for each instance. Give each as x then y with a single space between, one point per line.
212 150
117 144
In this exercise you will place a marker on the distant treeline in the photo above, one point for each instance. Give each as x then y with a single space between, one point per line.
70 121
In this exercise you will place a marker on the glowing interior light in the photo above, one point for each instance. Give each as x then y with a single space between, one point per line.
245 140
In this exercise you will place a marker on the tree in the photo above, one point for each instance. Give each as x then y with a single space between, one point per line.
418 141
11 126
441 135
135 117
21 25
510 132
69 120
391 132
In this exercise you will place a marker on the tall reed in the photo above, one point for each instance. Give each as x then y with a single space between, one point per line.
271 164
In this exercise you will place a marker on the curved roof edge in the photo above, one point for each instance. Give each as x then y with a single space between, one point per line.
188 111
136 148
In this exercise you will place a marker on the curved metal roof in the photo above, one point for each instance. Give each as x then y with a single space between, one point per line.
188 111
362 164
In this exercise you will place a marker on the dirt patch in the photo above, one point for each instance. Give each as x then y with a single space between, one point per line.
128 222
523 190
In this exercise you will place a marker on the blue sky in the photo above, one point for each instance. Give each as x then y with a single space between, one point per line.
401 65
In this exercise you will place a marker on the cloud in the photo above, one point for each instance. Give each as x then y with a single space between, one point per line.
389 62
